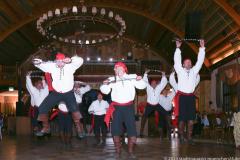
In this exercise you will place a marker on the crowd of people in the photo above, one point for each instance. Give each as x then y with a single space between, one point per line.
58 94
60 90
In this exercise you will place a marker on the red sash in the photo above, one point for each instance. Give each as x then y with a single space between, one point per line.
111 109
176 101
55 114
49 81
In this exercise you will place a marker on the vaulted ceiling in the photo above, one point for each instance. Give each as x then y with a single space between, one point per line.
155 22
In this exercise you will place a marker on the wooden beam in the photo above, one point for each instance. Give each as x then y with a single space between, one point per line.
8 11
221 39
229 9
219 50
37 12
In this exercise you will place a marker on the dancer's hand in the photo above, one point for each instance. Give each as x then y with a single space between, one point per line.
147 71
163 74
178 43
106 82
67 60
138 78
29 73
202 43
36 61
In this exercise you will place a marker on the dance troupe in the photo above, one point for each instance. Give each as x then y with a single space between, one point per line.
57 87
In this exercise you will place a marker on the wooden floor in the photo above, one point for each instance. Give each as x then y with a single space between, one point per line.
25 148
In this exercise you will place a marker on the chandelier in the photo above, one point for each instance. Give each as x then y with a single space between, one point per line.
84 18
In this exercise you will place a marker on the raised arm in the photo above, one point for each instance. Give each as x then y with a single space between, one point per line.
145 78
76 62
29 84
201 55
178 57
162 84
44 66
173 82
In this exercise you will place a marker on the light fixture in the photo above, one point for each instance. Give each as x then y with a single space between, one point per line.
57 12
88 59
50 23
74 9
110 59
98 59
10 89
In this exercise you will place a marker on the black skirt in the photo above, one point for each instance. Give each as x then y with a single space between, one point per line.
187 108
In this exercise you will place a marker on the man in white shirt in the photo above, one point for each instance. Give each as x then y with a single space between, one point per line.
187 75
61 70
79 90
153 96
165 102
38 92
99 108
121 110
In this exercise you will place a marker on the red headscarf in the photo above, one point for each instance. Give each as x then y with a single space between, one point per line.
121 64
60 56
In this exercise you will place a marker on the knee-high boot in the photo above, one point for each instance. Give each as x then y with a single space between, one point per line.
117 144
190 130
160 133
46 129
143 122
181 131
131 143
76 120
169 127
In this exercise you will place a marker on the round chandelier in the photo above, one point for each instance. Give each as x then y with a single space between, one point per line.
84 18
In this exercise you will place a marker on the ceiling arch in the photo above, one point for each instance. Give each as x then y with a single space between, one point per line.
125 6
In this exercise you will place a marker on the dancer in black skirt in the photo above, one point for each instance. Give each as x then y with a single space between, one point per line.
121 110
187 75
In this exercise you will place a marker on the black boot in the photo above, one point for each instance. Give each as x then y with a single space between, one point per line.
190 130
46 129
143 122
131 144
117 144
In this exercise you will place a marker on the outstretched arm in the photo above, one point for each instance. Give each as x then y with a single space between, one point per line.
200 59
106 87
139 83
44 66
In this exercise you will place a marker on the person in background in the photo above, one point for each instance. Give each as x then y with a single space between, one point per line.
38 92
98 108
79 90
153 96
